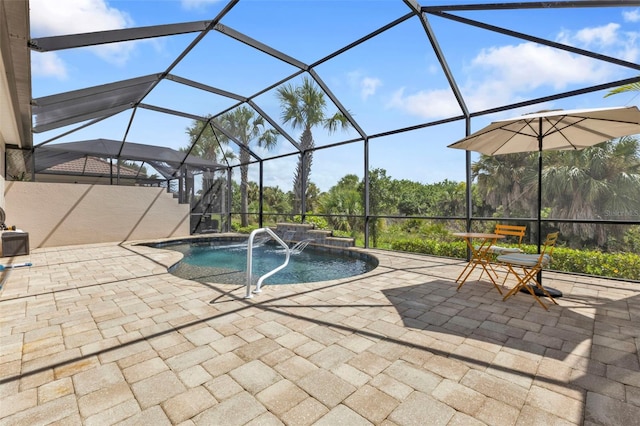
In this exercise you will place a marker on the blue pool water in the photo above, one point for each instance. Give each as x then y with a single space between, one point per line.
226 263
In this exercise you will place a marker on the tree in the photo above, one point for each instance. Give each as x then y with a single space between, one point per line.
313 193
597 182
303 107
209 146
507 182
344 200
631 87
204 143
275 200
414 198
449 198
382 197
246 127
603 181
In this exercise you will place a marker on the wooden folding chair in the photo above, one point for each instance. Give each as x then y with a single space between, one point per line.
494 250
530 264
509 231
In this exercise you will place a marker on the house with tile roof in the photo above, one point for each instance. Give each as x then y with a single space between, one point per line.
92 170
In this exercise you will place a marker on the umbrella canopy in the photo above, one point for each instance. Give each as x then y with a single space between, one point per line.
552 130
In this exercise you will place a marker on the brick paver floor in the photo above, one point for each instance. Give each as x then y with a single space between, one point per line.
103 334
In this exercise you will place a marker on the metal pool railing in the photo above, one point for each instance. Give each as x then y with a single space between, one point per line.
287 251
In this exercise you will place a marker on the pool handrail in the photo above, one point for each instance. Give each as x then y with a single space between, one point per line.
275 236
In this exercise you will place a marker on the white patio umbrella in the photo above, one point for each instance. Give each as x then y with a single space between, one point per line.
552 130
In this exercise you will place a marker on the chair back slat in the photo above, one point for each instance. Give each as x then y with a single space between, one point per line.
511 230
549 245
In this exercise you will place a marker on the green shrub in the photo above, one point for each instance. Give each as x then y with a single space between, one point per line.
590 262
319 222
343 234
456 249
245 230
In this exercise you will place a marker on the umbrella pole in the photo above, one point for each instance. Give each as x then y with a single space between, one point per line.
540 191
552 291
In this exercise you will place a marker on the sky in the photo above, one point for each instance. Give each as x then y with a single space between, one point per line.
393 81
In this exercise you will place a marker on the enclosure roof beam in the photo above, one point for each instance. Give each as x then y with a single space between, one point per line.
274 124
205 87
235 140
531 5
173 112
50 44
337 103
539 40
228 31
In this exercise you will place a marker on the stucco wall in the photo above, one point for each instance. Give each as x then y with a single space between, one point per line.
67 214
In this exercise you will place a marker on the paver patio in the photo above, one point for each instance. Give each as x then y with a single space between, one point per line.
103 334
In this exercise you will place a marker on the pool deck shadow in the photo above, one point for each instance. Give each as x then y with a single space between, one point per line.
103 334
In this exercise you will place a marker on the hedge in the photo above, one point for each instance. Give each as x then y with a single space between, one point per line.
590 262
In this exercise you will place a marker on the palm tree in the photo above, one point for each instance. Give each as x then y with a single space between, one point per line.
506 182
382 199
603 180
313 194
275 199
246 126
303 107
208 146
344 202
631 87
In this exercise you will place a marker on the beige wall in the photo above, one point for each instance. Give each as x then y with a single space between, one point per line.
67 214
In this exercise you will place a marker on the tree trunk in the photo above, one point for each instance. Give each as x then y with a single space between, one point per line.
303 170
244 196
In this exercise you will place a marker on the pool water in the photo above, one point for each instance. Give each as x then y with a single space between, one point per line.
227 264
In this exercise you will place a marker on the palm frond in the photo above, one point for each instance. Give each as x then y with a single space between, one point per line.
631 87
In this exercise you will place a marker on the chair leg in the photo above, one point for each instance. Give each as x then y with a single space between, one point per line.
541 288
469 265
486 262
526 277
505 275
518 283
530 290
487 266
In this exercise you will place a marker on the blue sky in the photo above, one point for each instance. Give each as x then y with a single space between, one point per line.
389 82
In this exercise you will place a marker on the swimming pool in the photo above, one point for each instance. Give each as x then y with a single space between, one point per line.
225 261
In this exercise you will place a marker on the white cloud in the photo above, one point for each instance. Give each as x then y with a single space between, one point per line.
631 16
49 18
48 65
426 104
510 73
605 35
75 16
506 74
528 66
366 86
369 85
608 39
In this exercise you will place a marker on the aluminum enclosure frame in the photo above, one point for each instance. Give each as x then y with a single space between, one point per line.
100 102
